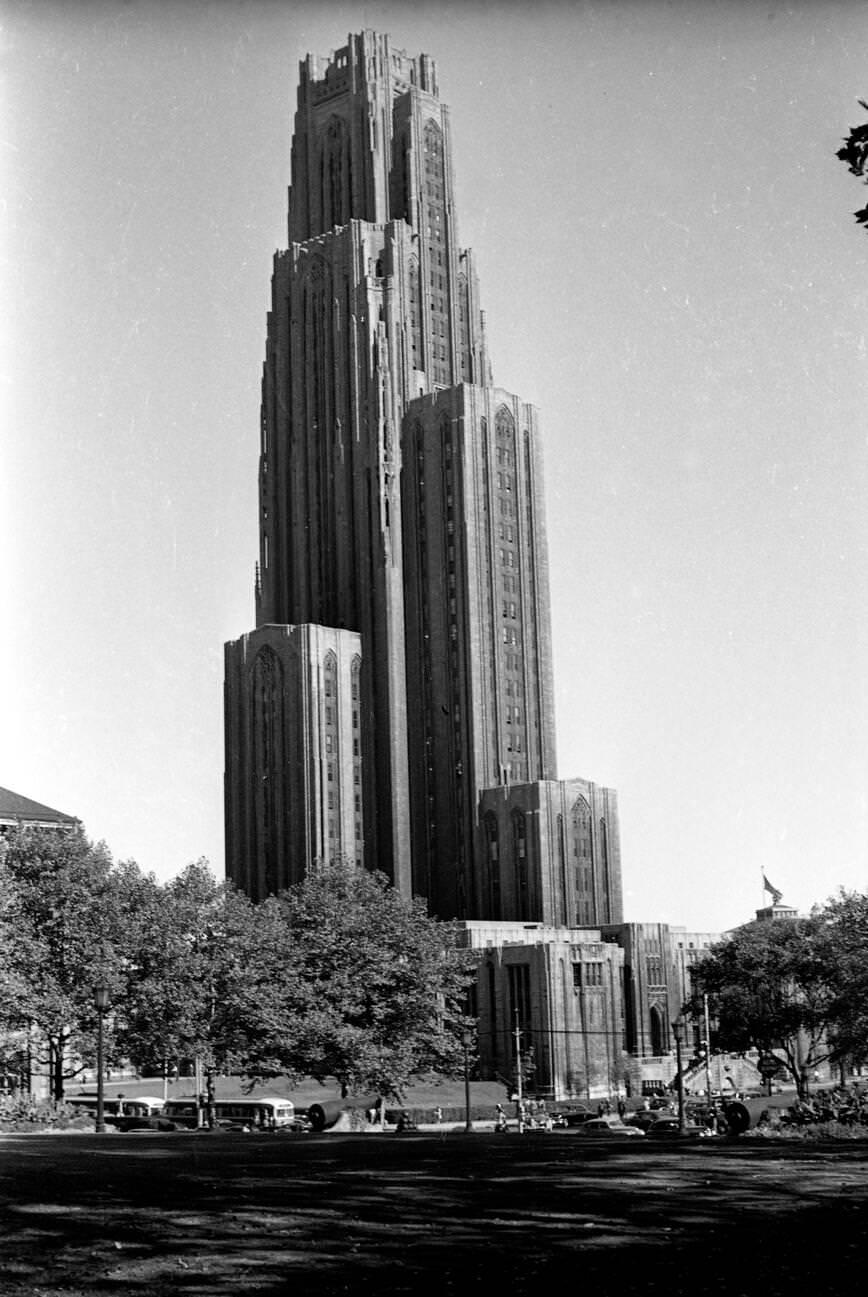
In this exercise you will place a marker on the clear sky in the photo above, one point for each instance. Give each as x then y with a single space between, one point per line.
671 272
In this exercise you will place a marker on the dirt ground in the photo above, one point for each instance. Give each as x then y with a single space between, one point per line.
210 1215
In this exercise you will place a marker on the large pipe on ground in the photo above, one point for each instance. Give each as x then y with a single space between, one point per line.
327 1112
744 1114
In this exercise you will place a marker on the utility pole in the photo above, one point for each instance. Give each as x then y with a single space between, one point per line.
466 1041
101 1001
518 1090
708 1062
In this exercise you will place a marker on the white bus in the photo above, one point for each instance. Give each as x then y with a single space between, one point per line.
143 1105
244 1113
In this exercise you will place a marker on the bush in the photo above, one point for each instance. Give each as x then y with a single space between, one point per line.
22 1114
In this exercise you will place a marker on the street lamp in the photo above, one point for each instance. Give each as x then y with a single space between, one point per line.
101 1000
467 1041
679 1079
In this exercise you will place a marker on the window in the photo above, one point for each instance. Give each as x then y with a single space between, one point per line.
519 995
492 863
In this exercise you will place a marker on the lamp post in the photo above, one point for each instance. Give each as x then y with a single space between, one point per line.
679 1079
101 1000
467 1041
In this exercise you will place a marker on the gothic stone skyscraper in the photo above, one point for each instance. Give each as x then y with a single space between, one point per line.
395 702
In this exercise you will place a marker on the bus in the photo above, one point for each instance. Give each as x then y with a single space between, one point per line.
234 1114
141 1112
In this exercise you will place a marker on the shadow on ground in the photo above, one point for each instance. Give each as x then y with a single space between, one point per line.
214 1215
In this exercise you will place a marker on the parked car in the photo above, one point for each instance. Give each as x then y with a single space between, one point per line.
608 1128
667 1127
576 1115
643 1119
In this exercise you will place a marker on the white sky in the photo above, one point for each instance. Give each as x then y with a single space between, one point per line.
670 271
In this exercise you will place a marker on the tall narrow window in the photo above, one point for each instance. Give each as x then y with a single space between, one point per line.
492 865
355 691
268 726
519 846
581 831
331 737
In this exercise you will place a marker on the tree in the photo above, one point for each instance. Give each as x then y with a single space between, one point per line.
192 948
769 988
61 927
855 154
370 991
846 922
340 977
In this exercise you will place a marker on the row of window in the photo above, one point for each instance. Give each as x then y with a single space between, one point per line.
587 974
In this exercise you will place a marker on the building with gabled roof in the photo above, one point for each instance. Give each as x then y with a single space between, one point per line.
17 812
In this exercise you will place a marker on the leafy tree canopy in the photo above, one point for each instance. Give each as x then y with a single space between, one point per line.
62 926
338 978
341 978
855 153
846 922
772 986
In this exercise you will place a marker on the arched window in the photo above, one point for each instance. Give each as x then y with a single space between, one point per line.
331 734
581 834
355 692
504 424
268 749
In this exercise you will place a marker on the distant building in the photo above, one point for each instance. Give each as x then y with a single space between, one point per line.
17 812
777 910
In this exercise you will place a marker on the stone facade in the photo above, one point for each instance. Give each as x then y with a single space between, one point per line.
554 996
549 852
293 753
479 675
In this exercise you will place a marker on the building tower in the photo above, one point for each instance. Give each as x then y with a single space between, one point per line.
395 702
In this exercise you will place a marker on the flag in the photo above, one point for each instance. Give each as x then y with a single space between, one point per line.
776 895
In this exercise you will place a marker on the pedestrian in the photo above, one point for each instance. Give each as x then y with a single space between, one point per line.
500 1126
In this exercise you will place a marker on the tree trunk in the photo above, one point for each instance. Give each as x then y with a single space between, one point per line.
55 1067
